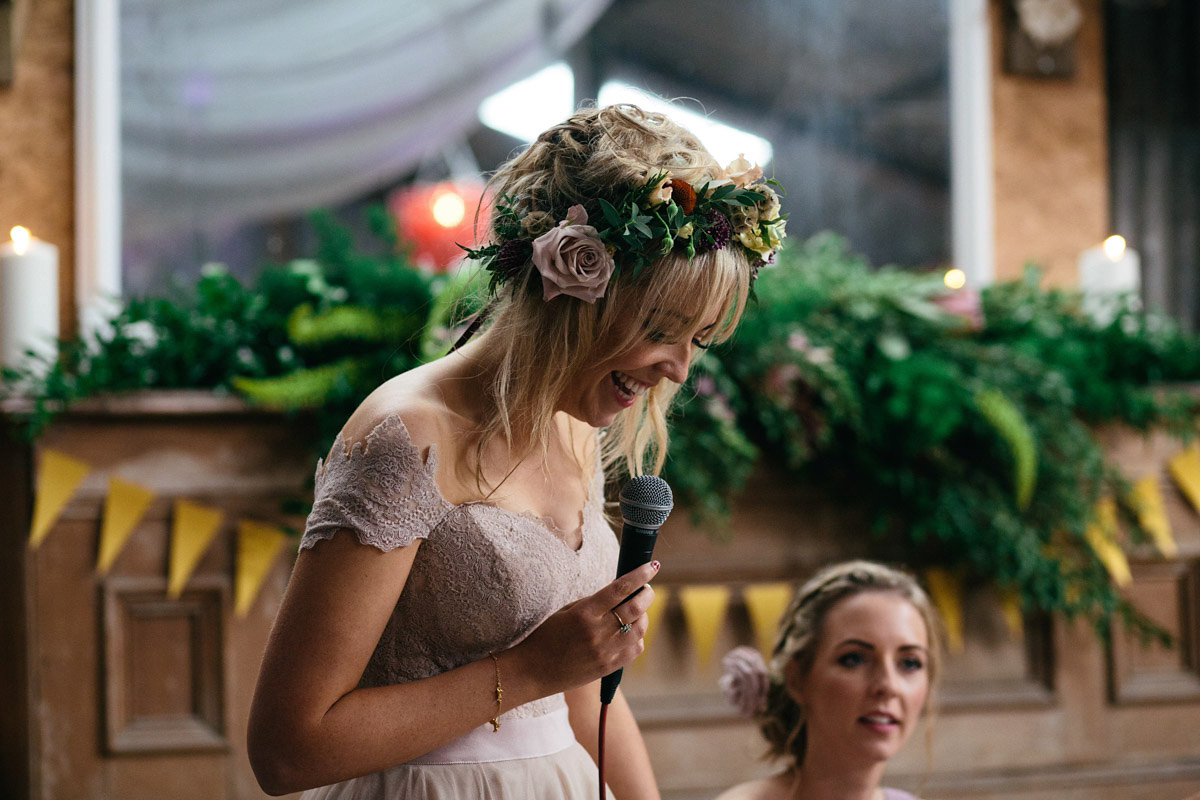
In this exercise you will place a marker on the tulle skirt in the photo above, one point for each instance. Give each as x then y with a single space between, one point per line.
528 759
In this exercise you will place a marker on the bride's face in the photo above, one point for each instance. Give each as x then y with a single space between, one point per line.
663 352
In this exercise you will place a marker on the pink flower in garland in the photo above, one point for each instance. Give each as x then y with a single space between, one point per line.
964 303
572 259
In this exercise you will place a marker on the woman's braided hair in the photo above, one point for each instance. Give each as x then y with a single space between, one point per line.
782 722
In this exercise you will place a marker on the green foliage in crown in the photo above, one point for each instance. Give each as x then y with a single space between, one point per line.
647 222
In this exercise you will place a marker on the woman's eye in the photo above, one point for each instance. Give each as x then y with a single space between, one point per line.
657 337
912 665
850 659
700 344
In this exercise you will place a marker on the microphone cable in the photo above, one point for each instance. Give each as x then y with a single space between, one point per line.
600 749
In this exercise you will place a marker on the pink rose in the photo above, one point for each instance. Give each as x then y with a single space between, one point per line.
965 304
779 381
572 259
744 680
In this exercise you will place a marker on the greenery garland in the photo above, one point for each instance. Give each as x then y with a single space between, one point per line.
974 441
971 433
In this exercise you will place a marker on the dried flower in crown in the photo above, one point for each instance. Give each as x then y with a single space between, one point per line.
577 256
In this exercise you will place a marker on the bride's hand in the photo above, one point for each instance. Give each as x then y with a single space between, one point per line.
583 641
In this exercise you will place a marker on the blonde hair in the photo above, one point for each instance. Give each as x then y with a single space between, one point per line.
540 348
782 722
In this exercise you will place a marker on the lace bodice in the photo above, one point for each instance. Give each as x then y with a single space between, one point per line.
484 576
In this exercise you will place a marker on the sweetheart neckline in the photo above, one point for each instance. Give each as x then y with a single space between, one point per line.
430 462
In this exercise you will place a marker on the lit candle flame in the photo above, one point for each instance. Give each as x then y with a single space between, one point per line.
1114 247
955 278
20 239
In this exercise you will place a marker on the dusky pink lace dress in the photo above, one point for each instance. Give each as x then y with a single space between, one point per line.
483 578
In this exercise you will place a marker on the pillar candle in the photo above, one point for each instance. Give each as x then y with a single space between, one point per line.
28 297
1107 271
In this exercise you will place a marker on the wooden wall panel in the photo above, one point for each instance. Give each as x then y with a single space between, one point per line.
164 666
1147 672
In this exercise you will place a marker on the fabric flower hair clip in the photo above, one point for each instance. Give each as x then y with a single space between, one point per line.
577 256
745 680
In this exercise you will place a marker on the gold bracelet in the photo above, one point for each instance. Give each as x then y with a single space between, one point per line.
499 694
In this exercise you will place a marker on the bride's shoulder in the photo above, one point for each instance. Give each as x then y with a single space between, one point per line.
410 403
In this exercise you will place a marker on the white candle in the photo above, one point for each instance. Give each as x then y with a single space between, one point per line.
1106 271
28 297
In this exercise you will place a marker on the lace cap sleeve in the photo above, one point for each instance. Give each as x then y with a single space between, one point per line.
382 490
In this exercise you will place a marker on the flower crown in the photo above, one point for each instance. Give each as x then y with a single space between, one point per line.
652 219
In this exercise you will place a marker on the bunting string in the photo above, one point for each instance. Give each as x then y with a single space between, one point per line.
194 528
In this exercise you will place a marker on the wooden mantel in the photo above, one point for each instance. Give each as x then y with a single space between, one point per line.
110 689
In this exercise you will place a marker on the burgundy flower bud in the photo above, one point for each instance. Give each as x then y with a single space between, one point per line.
512 257
717 233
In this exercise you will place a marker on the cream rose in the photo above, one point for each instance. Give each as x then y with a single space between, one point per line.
661 193
753 239
572 260
742 172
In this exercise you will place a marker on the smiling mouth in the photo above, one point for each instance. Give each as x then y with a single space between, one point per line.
627 388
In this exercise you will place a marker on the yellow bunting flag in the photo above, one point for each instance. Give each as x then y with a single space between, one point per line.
1185 469
945 590
766 603
1101 535
704 612
653 618
1010 609
1147 499
258 545
123 508
58 477
191 534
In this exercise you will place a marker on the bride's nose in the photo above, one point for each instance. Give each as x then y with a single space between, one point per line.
675 361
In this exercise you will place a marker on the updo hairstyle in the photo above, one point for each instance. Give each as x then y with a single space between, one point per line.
544 346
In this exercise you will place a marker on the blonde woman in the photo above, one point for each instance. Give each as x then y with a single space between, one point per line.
853 667
452 608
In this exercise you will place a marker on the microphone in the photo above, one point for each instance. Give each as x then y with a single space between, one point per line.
646 501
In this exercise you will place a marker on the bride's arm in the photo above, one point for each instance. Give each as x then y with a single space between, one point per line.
309 724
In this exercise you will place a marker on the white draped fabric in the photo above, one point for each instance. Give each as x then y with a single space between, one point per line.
244 109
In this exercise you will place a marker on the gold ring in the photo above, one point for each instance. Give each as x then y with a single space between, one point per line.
625 626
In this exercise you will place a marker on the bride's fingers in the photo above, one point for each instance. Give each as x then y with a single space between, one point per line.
624 587
635 608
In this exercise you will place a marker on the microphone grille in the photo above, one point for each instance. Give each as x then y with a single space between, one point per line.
646 501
